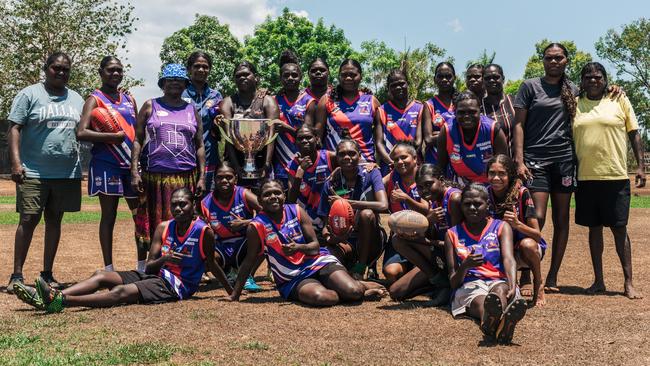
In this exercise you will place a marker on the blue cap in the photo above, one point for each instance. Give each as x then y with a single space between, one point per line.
173 71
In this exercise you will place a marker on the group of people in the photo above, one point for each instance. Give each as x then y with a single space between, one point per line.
479 164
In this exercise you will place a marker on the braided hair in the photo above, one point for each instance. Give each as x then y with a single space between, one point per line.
514 184
566 93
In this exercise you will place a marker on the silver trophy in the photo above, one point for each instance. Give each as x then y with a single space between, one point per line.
248 135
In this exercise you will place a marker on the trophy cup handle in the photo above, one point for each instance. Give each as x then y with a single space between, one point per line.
271 139
223 132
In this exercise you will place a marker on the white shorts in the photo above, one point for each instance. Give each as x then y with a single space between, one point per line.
466 293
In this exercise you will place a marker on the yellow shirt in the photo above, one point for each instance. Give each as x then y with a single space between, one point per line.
600 135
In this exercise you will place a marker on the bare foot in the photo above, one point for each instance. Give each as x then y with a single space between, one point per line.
373 291
596 288
526 289
631 293
539 299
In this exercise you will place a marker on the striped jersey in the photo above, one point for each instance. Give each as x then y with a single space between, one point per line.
220 216
312 182
399 124
184 277
288 270
293 114
441 227
357 116
395 181
439 112
487 244
123 109
469 161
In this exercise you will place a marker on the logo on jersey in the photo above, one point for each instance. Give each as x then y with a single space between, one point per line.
567 181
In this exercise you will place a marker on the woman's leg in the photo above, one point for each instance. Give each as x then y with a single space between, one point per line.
540 199
369 245
560 209
52 237
133 204
596 250
418 254
529 253
121 294
624 251
338 280
394 271
99 280
312 292
108 205
413 283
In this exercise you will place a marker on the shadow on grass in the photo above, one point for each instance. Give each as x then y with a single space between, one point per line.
412 305
577 290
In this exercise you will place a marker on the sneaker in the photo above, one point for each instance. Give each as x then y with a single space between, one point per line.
52 298
49 278
28 295
13 280
251 285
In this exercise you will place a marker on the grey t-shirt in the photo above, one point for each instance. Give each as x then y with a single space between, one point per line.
48 144
547 131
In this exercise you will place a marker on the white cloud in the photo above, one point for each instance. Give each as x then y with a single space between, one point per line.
160 18
455 25
301 13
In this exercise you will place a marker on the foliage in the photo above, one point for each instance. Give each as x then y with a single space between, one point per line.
420 65
87 30
211 37
296 33
629 52
512 86
483 59
377 60
577 58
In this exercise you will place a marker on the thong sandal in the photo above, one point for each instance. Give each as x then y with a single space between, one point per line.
492 313
514 312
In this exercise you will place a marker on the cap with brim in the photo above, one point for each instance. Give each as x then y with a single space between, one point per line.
173 71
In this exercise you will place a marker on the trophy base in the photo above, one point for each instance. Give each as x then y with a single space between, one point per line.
252 175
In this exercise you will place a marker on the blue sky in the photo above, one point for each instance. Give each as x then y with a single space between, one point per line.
464 29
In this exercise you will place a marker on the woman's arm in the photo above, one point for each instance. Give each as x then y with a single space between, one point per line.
418 131
310 113
518 143
507 256
430 137
321 116
637 148
454 209
443 158
500 143
200 154
253 252
226 109
272 112
211 264
379 139
84 133
140 124
379 205
312 247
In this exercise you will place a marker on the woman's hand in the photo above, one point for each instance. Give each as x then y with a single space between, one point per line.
511 218
200 187
397 195
473 260
290 248
523 172
136 182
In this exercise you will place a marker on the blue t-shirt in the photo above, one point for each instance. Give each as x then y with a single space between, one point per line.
48 144
207 104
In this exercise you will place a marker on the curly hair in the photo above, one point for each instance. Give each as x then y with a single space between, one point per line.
514 184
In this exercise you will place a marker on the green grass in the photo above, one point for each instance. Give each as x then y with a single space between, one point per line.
84 200
11 218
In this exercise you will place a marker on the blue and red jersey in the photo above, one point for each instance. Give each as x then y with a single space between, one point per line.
220 216
123 109
184 277
312 182
439 112
399 124
469 161
395 180
293 114
288 270
357 116
487 244
441 227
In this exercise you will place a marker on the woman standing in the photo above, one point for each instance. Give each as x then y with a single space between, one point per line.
600 129
296 108
319 79
173 156
397 120
543 147
109 174
250 102
438 109
45 164
206 101
496 104
347 108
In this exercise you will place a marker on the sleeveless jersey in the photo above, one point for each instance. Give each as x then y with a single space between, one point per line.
487 243
312 182
170 144
357 116
399 124
221 216
288 271
441 227
469 161
394 180
439 112
293 114
117 155
184 277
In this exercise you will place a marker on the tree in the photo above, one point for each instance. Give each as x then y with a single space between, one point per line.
420 65
577 59
377 60
512 86
483 59
629 52
296 33
211 37
87 30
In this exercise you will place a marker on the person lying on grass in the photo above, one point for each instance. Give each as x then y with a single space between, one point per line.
302 270
482 268
180 250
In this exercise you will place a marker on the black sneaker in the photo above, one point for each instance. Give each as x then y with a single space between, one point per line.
13 280
49 278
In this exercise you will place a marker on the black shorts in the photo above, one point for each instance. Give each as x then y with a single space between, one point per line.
321 277
553 177
603 203
153 289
